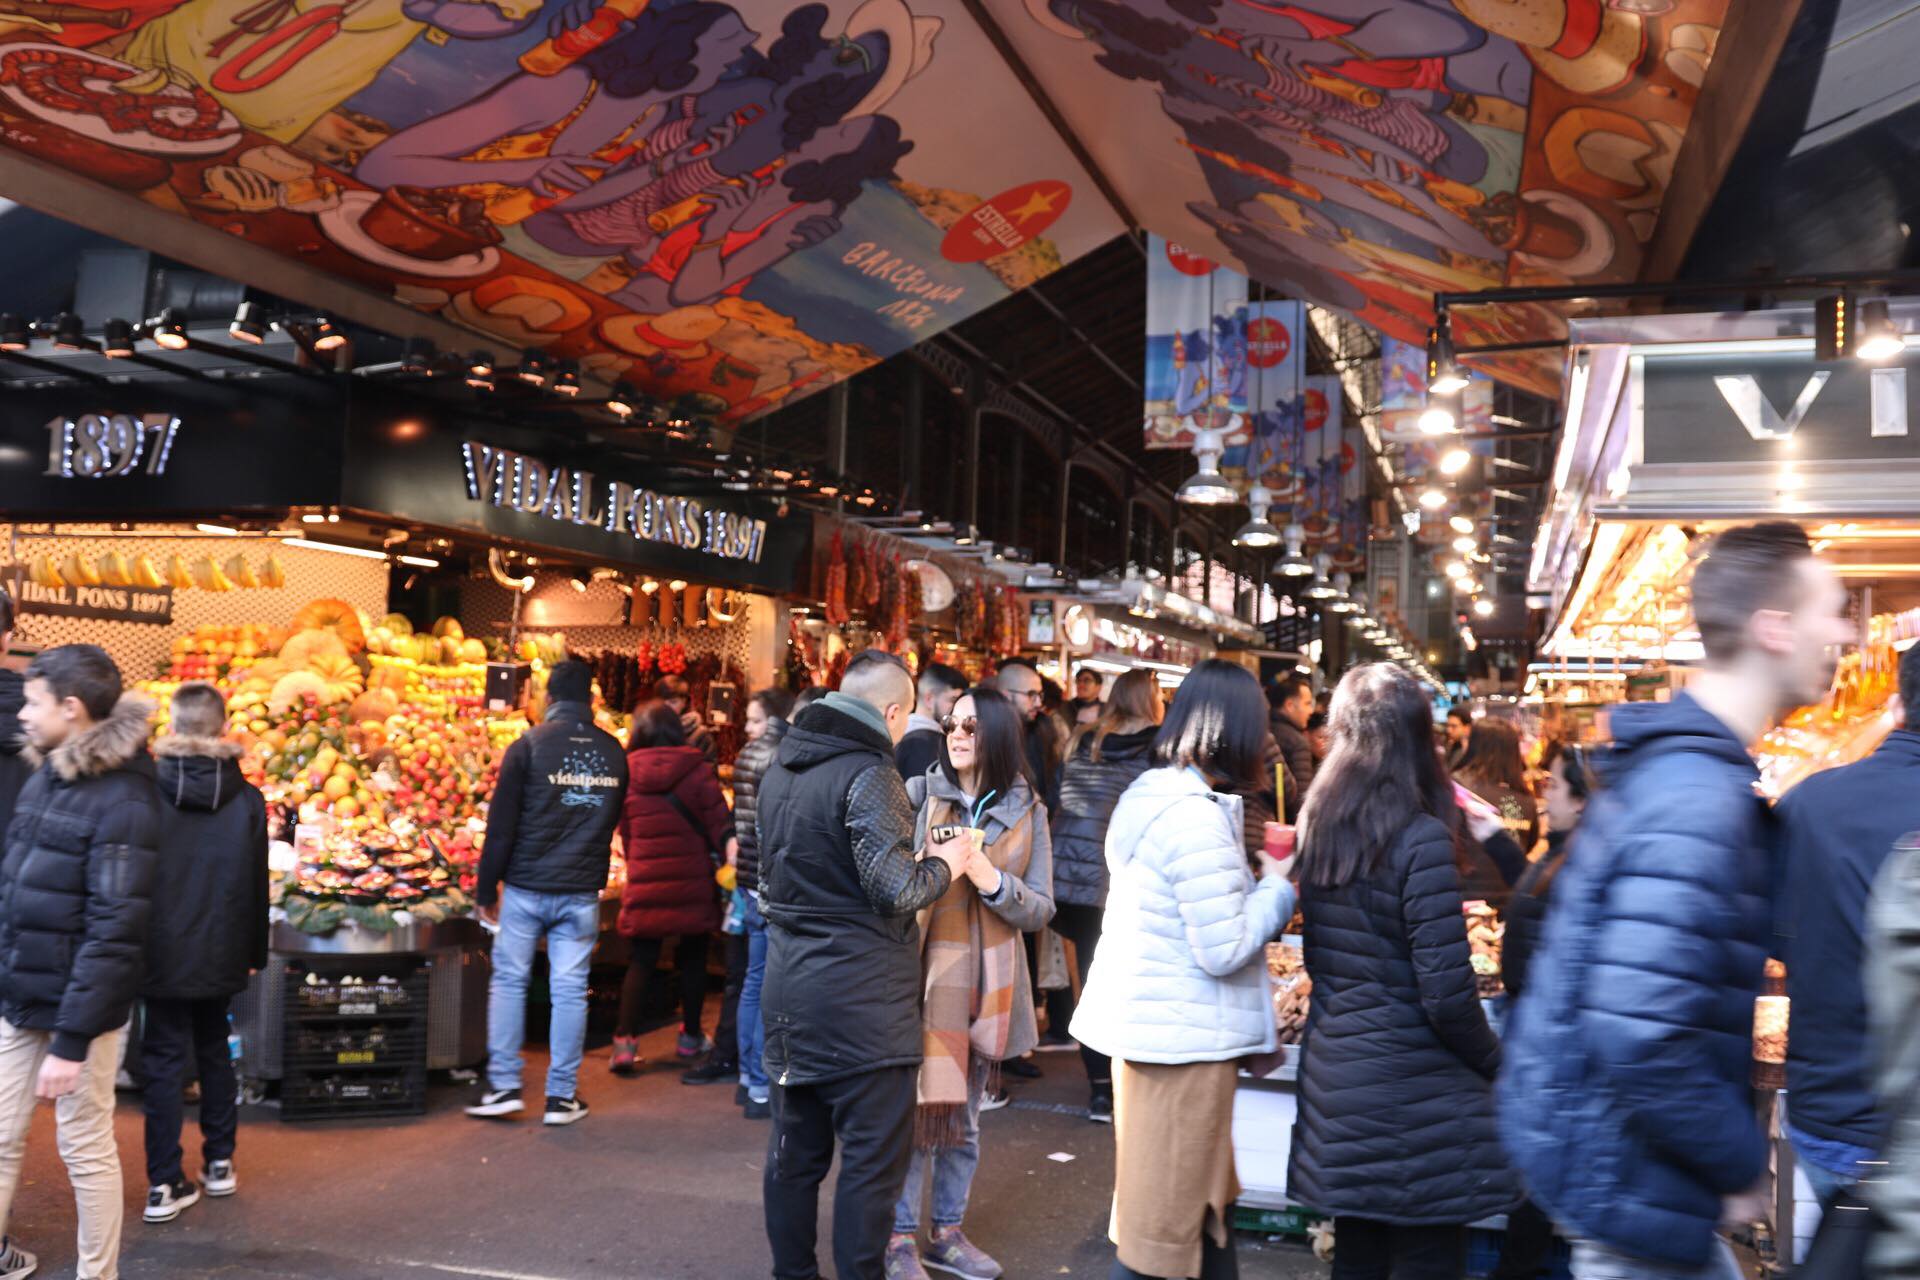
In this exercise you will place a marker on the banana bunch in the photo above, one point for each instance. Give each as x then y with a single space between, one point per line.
115 569
240 572
146 573
273 573
80 571
178 576
210 576
41 573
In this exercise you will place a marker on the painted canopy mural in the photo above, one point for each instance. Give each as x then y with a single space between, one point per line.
734 202
1366 154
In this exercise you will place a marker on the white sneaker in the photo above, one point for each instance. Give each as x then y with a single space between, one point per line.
219 1179
495 1103
165 1203
15 1263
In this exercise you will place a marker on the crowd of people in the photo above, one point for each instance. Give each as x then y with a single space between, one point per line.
901 852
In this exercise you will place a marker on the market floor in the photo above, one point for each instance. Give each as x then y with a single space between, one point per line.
661 1182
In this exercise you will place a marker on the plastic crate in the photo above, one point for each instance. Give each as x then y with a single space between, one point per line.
1290 1221
337 1094
361 988
317 1045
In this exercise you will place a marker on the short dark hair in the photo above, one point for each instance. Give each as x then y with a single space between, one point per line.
655 724
1216 724
1576 766
82 671
570 681
671 687
1746 569
1004 663
1286 689
6 611
999 743
198 711
937 678
1910 686
806 698
1462 712
776 703
1318 720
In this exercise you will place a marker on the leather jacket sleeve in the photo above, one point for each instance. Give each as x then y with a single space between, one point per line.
880 823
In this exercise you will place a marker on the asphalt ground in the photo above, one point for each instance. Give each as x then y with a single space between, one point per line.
661 1182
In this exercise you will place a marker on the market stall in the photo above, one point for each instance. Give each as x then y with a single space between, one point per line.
1677 427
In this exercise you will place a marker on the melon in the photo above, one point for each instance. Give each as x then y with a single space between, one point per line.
295 686
473 651
398 623
448 628
307 648
336 615
375 704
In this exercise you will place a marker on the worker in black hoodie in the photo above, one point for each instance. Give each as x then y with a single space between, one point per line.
209 932
14 767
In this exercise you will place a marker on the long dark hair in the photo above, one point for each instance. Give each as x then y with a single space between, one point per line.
655 725
1493 755
1381 773
1134 700
999 744
1217 724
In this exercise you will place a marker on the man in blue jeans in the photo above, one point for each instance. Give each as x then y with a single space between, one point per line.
549 838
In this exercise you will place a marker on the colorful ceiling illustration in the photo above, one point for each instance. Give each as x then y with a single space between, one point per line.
1366 154
732 203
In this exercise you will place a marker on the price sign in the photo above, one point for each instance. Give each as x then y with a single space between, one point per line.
96 445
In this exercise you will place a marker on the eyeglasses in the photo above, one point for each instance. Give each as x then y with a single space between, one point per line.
966 726
1029 695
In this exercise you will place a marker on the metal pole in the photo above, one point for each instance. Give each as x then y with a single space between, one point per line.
1066 490
973 464
837 435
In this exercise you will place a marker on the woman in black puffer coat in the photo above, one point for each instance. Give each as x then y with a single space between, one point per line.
767 713
1395 1136
1102 760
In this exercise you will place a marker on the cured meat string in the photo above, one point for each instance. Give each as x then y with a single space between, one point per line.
64 82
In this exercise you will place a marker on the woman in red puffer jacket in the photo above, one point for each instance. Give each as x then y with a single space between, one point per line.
675 822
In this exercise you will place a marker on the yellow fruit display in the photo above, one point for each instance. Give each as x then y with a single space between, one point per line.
114 570
448 629
306 648
40 569
147 574
273 573
79 572
179 577
240 572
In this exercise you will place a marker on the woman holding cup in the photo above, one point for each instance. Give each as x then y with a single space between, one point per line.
978 1008
1178 993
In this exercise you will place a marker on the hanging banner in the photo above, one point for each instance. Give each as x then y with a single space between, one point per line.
1403 389
1476 415
1196 373
1276 358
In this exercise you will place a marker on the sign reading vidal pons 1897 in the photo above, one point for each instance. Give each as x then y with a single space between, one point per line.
521 482
101 604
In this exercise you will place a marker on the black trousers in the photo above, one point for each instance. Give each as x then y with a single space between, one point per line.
871 1117
1081 926
182 1039
1366 1249
1216 1263
690 968
726 1036
1058 1004
1528 1246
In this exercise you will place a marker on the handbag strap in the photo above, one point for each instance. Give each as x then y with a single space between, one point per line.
686 815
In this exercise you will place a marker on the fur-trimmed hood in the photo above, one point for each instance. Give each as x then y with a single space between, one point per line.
198 773
180 744
108 745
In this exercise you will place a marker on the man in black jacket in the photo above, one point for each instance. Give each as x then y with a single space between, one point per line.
209 933
841 1007
940 687
13 694
549 837
1291 706
1837 829
75 892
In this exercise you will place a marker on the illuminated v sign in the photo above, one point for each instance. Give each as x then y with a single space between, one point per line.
1757 414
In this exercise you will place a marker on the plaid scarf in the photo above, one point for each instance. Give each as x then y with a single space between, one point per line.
971 976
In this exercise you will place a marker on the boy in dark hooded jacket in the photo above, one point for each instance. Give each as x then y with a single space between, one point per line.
209 932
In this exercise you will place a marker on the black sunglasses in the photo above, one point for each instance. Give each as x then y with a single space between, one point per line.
950 725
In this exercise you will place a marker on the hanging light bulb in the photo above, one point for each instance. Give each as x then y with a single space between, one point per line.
1483 608
1207 487
1343 601
1295 563
1320 588
1462 524
1454 569
1433 497
1454 461
1465 585
1441 417
1259 531
1879 339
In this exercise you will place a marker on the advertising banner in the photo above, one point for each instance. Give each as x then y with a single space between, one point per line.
1196 376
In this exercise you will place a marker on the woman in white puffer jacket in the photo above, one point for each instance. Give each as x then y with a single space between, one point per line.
1178 991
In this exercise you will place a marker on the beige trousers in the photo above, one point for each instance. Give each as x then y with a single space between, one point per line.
84 1120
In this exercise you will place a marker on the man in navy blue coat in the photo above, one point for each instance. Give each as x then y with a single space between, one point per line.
1624 1100
1837 828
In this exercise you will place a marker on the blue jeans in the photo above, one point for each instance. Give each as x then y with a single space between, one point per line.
570 922
1592 1261
952 1170
752 1033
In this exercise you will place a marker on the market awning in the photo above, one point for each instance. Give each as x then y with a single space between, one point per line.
731 205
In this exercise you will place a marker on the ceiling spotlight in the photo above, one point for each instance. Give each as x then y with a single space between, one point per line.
1343 601
69 332
1483 608
167 331
416 355
1462 524
480 364
865 497
1320 588
1433 498
533 367
1444 375
1207 487
567 381
247 326
1466 545
1439 417
828 487
1294 564
116 342
1466 586
580 580
620 402
1455 569
1259 531
1454 461
14 334
1879 339
326 337
649 586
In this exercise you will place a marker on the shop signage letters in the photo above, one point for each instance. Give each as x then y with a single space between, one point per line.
521 482
1887 410
97 445
100 604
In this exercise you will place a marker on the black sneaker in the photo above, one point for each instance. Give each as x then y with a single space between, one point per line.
757 1110
496 1104
1021 1068
15 1263
1100 1109
712 1071
165 1203
1056 1042
565 1111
